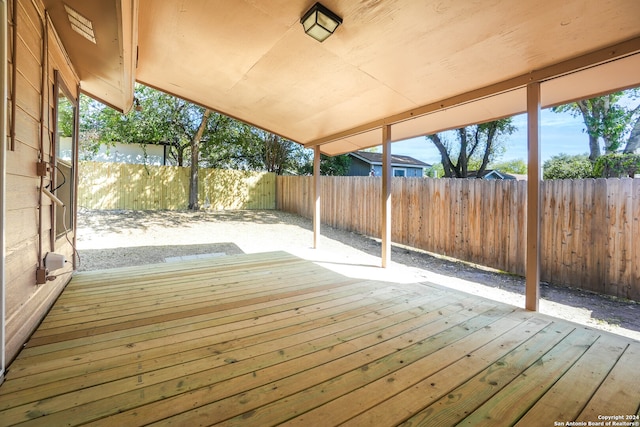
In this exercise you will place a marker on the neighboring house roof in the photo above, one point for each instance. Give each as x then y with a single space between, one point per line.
491 174
396 160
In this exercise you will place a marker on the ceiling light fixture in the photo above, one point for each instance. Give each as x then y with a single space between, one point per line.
319 22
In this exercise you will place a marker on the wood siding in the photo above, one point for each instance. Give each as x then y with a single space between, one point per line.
140 187
588 226
27 302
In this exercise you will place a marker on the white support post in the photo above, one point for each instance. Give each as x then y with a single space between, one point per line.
316 196
4 30
385 232
532 287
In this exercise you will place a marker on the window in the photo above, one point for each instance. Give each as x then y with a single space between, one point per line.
402 172
65 115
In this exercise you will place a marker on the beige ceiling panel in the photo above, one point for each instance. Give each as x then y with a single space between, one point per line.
292 85
251 60
460 46
202 47
357 142
356 109
616 75
306 107
422 47
388 60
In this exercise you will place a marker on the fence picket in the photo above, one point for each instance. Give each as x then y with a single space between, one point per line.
140 187
635 232
588 232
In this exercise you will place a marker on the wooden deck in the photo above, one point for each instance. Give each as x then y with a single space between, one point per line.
266 339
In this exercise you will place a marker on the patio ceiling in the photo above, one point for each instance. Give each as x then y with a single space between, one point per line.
421 66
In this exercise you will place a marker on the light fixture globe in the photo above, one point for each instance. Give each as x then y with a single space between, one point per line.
319 22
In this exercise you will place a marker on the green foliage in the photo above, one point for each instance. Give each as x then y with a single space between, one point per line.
231 144
279 155
89 127
606 118
435 171
517 166
336 165
564 166
617 165
158 118
65 117
329 165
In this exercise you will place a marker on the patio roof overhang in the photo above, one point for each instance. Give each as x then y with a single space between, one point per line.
420 67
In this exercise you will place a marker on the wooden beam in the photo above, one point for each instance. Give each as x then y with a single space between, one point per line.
385 232
316 196
532 287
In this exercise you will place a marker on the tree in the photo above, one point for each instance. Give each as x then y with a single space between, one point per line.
607 119
435 171
90 125
232 145
281 155
617 165
329 165
517 166
564 166
195 161
335 165
474 148
158 118
194 135
633 143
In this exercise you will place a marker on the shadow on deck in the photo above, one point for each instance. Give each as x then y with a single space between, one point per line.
267 339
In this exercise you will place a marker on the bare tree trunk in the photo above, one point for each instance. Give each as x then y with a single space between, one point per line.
461 169
633 144
594 145
179 154
491 134
195 159
444 155
594 148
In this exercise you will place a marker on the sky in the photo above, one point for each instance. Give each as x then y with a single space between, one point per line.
560 133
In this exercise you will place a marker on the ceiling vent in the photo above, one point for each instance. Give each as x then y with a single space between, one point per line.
80 24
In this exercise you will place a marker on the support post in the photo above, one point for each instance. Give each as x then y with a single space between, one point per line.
316 196
532 287
385 232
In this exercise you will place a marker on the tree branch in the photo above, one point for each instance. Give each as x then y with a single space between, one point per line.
444 155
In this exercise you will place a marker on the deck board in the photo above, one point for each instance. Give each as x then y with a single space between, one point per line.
271 339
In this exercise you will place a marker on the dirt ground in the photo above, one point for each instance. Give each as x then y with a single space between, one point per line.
109 239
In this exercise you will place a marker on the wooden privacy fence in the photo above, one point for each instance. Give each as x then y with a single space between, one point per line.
139 187
590 231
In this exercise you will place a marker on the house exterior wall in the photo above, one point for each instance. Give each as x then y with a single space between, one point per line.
359 167
414 172
26 228
128 153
